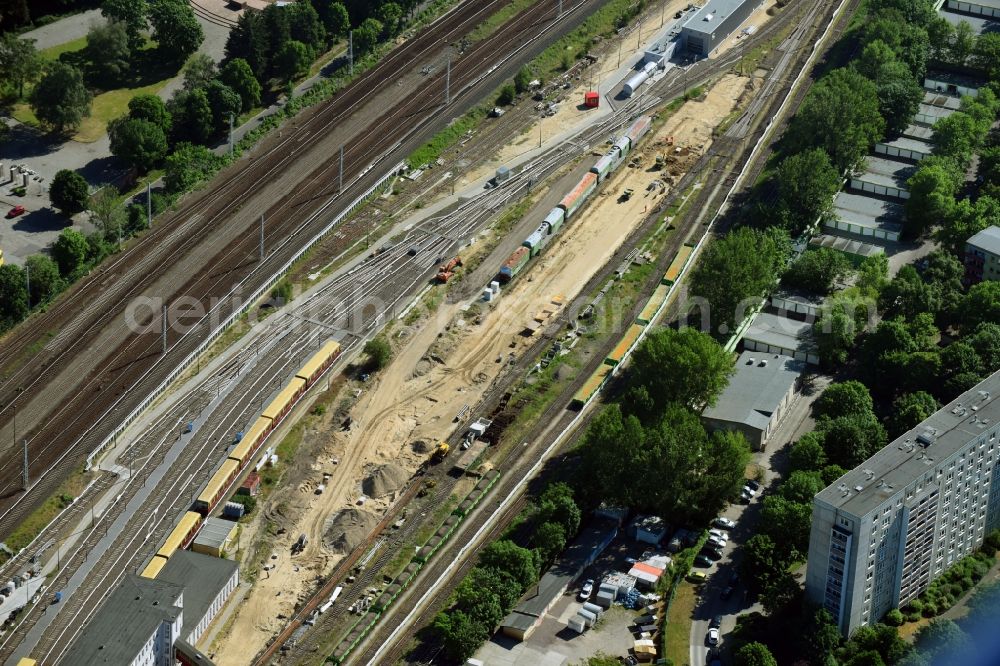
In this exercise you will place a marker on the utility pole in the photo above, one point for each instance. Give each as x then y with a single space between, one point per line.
262 237
559 15
149 205
638 36
350 53
340 174
230 135
619 54
24 474
164 331
27 282
663 11
447 83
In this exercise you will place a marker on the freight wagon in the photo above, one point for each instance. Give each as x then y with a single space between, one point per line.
515 262
677 265
604 166
536 241
633 333
653 305
591 386
572 201
555 220
639 129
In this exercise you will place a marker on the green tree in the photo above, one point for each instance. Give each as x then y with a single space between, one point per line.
498 582
108 50
379 353
199 71
506 95
19 61
807 453
980 305
192 114
907 295
304 25
957 136
248 40
187 166
151 109
917 12
735 272
899 96
909 410
549 539
292 61
522 80
175 28
909 42
13 296
60 99
986 55
873 275
818 270
45 281
140 143
985 339
14 12
940 637
788 523
107 212
460 635
70 251
224 102
763 562
519 563
807 183
823 636
965 219
962 43
366 36
801 486
754 654
844 399
132 14
850 440
69 192
700 367
334 17
932 195
391 16
841 115
557 505
237 75
843 316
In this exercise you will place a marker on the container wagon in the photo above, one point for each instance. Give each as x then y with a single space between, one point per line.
677 265
535 242
283 402
624 146
252 439
182 535
320 361
216 487
653 305
515 262
633 333
639 129
603 167
591 386
555 220
572 201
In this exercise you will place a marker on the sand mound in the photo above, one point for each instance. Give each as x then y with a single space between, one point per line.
346 530
420 446
384 480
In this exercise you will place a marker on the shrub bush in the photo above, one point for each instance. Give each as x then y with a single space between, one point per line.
894 618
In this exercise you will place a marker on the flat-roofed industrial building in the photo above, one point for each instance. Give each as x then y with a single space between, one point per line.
708 28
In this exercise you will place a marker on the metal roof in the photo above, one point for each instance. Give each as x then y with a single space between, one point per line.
889 173
718 10
919 132
781 332
909 143
979 24
759 384
987 240
126 621
917 452
215 533
202 577
942 101
867 211
847 245
951 77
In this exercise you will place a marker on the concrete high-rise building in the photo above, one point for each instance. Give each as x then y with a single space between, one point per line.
982 256
883 531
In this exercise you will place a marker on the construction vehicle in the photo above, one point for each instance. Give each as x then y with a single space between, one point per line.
626 195
440 452
447 270
300 544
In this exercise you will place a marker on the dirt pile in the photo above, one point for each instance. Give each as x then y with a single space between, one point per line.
384 480
348 529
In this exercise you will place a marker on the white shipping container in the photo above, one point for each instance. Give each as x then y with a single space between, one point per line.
588 617
593 608
577 624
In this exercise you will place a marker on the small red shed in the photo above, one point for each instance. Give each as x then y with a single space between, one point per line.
591 99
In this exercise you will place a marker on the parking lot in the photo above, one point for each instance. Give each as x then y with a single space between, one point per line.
37 227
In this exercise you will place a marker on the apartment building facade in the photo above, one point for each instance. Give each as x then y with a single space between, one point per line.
886 529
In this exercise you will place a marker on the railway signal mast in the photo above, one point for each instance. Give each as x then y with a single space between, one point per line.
340 173
350 53
24 472
447 83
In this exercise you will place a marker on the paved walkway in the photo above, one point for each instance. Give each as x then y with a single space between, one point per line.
65 29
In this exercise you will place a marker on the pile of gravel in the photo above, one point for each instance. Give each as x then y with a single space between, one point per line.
348 529
384 480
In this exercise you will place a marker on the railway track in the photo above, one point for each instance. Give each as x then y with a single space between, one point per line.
131 371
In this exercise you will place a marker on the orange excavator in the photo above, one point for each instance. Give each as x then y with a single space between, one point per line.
447 270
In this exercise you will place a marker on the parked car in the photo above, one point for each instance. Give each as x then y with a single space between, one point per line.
734 579
724 523
716 542
587 589
718 533
715 622
727 592
697 577
713 636
702 561
15 211
714 554
753 485
746 495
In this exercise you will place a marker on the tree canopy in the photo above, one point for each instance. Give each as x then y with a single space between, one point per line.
699 368
60 99
19 61
175 28
139 142
69 192
817 270
807 183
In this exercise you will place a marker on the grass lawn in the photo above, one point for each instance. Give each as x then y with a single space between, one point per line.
108 106
44 514
53 52
676 640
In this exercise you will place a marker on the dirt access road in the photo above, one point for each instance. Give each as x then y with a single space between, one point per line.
442 362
